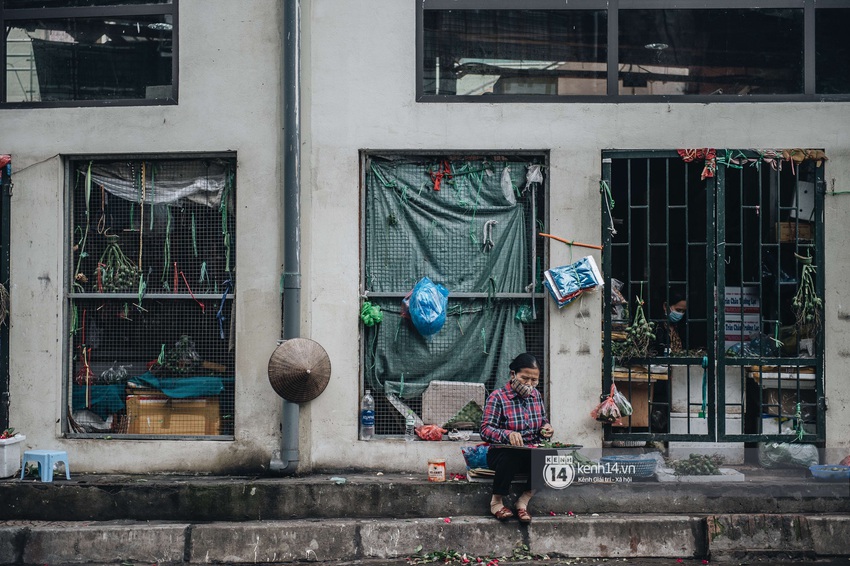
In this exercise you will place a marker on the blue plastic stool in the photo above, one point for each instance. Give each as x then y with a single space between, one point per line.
45 460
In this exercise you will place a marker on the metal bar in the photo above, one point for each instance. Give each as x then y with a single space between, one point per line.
613 45
716 263
809 47
512 5
420 51
5 251
464 295
148 296
633 99
820 286
3 57
608 362
89 11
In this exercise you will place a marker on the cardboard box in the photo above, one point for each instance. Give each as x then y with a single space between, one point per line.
158 414
793 231
737 331
739 301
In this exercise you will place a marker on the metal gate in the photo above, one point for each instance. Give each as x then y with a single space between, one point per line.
730 242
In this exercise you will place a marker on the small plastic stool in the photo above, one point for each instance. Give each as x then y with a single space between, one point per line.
45 460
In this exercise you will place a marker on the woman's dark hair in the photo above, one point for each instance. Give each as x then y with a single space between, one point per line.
524 361
675 298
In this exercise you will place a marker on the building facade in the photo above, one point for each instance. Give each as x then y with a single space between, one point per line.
375 96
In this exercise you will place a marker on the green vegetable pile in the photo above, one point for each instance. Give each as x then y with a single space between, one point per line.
698 465
468 417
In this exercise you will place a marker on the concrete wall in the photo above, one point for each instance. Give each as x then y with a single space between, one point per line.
229 101
359 66
359 93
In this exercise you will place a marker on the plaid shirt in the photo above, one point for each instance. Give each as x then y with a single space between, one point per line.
506 412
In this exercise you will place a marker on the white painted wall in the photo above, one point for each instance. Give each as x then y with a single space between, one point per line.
229 100
359 93
359 70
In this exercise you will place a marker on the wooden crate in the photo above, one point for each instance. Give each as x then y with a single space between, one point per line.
158 414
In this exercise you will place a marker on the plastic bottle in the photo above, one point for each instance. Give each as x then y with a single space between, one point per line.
409 425
367 416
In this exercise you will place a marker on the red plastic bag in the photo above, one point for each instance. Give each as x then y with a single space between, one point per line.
430 432
607 411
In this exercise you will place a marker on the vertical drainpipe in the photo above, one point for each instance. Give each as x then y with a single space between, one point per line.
287 464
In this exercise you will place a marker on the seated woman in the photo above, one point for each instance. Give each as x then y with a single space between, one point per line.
514 415
668 340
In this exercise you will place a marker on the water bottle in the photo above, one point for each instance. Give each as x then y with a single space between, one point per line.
367 416
409 424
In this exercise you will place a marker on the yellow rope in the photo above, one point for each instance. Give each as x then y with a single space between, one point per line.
142 220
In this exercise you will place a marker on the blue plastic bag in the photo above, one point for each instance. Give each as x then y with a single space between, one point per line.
427 306
475 456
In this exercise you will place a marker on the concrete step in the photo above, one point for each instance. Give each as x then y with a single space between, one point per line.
333 540
191 499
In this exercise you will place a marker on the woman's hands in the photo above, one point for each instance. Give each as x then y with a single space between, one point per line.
547 431
515 439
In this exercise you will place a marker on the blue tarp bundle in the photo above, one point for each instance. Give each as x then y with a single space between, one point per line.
568 282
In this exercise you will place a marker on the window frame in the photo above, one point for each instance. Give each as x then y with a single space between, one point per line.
69 294
613 7
540 248
10 15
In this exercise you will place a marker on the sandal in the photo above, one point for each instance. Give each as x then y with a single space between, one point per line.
503 514
523 515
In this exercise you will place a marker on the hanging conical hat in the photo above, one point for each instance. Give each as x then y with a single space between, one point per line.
299 370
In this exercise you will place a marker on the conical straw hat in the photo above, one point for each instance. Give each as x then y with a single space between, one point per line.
299 370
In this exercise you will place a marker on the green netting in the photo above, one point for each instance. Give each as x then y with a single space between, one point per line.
413 231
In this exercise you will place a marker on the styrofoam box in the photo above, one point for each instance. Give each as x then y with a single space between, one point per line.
732 452
444 399
10 455
681 376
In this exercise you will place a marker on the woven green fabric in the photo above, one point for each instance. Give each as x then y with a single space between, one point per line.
413 231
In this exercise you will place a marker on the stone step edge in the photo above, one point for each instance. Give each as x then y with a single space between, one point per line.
606 536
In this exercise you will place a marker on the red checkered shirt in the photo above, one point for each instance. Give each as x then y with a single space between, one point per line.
506 412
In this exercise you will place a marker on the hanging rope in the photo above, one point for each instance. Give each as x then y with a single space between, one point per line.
142 216
487 235
219 316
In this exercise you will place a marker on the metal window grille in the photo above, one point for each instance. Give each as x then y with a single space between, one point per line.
150 308
470 238
738 247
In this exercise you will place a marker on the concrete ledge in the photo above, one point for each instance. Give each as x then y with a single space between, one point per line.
620 536
339 540
803 535
274 541
473 535
391 496
74 544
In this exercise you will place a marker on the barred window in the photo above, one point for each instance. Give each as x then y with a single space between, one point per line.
150 309
469 223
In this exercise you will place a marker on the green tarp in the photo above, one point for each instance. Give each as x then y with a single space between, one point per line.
414 231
